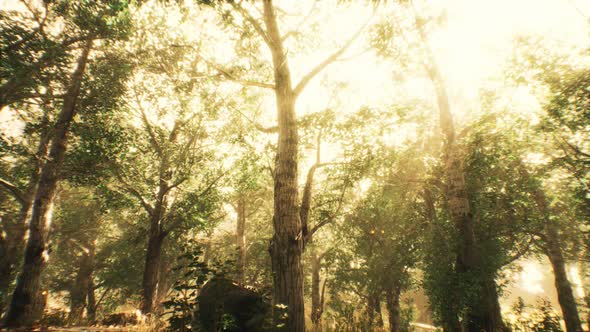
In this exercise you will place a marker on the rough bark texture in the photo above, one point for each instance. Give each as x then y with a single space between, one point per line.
152 264
241 239
157 233
287 242
26 305
393 308
79 291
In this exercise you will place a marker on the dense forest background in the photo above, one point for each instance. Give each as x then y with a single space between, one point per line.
295 165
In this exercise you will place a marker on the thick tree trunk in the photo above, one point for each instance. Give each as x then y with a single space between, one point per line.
79 291
487 314
241 239
10 253
393 308
152 267
287 242
12 245
164 282
156 239
26 305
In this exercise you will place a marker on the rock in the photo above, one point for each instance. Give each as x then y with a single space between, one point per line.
223 305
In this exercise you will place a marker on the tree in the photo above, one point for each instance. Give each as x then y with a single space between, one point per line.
172 156
287 244
26 304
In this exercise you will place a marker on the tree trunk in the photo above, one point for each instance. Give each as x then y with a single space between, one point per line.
374 310
459 207
164 282
12 245
91 303
287 243
79 291
155 240
565 294
152 266
26 305
11 248
241 239
393 308
317 308
487 315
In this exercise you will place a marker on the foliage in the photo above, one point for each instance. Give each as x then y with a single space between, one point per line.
194 272
539 318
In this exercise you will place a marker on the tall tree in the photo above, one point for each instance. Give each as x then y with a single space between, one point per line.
287 243
483 314
26 304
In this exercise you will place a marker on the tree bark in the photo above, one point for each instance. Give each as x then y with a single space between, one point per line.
26 305
241 239
11 246
393 308
152 266
565 294
487 316
552 248
79 291
317 296
91 303
374 310
287 243
457 197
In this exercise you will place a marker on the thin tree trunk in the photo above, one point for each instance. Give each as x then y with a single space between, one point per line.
91 303
374 310
393 308
565 294
316 300
26 306
79 291
241 239
287 242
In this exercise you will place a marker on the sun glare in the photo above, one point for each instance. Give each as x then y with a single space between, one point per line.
530 278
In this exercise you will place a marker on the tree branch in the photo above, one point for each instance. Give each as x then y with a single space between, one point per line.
149 127
293 32
232 78
14 190
132 191
268 130
255 24
333 57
